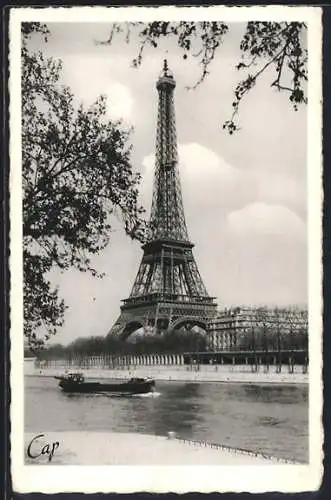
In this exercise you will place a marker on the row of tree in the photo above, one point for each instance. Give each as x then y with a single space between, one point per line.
272 339
175 342
268 329
267 337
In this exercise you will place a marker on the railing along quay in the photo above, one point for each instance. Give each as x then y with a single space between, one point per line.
238 451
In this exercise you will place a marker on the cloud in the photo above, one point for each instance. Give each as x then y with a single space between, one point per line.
207 181
281 188
219 198
202 166
263 256
120 101
261 218
89 77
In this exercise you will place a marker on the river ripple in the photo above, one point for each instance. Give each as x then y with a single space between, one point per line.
270 419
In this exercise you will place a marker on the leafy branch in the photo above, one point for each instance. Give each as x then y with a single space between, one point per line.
276 45
266 45
77 173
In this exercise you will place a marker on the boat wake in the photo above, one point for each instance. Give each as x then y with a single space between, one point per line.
153 394
114 395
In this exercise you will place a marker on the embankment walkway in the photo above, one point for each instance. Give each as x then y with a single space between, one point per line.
109 448
202 373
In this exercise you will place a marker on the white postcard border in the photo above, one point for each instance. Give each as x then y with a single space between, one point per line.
124 479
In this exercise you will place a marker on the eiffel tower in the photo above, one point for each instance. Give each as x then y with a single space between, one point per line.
168 291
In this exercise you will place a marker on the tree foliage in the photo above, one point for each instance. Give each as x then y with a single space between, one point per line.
275 329
279 47
76 172
172 342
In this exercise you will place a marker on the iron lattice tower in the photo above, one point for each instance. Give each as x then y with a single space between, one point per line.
168 291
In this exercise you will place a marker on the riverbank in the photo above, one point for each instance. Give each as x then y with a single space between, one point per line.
112 448
222 374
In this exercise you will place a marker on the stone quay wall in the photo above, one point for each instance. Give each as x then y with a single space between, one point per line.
136 366
113 362
166 361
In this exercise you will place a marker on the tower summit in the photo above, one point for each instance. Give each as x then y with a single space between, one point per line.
168 291
167 215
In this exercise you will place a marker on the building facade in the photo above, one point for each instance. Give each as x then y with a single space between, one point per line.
259 328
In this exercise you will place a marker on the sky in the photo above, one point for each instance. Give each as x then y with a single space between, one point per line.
244 195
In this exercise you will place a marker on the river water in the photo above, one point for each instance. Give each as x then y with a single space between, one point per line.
270 419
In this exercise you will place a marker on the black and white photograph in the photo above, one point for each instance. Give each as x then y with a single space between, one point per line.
166 280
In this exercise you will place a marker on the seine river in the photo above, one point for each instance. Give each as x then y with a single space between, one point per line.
270 419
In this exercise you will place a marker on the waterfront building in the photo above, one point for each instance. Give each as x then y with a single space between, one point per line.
259 328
